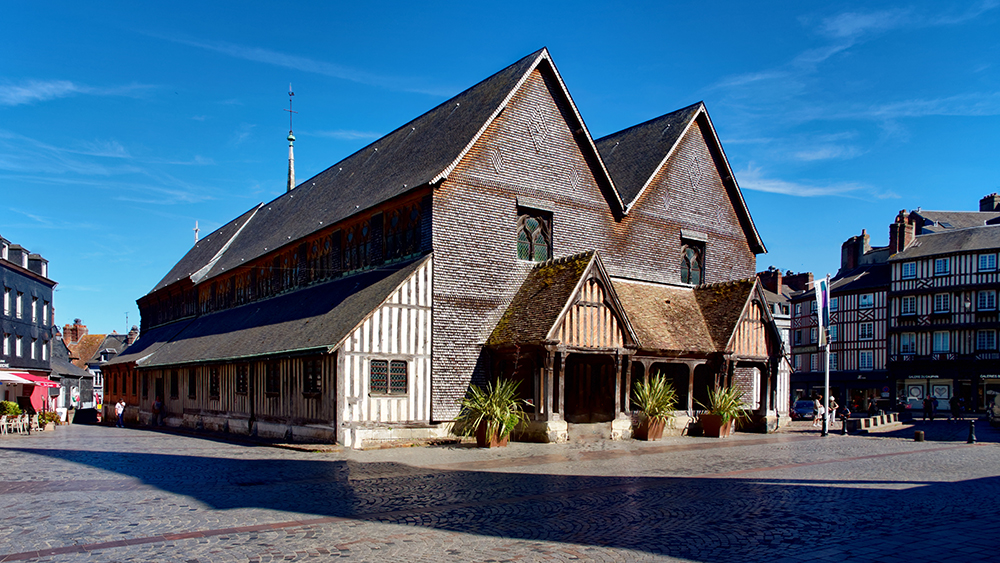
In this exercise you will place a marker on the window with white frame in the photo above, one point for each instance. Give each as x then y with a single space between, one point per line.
834 303
987 262
942 341
18 305
813 335
6 344
813 362
909 270
866 331
18 349
942 266
866 359
866 301
986 340
797 360
908 343
6 301
987 301
908 305
942 302
798 337
34 346
798 309
34 309
833 362
45 351
833 333
813 306
45 313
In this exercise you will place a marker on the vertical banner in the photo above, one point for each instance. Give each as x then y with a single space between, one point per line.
822 288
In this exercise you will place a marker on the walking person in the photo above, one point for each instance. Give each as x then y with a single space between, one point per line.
955 408
120 412
928 408
157 411
832 413
818 407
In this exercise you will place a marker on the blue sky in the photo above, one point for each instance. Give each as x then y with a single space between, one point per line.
121 124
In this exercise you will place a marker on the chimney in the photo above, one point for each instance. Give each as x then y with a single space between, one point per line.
853 250
798 282
132 335
990 203
771 280
74 332
901 232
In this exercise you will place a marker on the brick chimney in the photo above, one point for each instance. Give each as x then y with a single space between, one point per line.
901 232
798 282
132 335
853 249
771 279
990 203
74 332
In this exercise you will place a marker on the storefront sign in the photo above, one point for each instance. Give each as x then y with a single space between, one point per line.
923 377
990 376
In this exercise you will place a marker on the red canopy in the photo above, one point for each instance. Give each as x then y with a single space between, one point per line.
37 380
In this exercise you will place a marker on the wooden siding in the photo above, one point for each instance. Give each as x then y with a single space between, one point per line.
752 334
398 330
590 323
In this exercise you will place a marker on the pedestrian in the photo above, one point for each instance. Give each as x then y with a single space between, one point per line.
157 411
832 412
120 412
928 408
818 407
955 408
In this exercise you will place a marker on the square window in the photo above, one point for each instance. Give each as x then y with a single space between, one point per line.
986 340
866 331
866 359
834 303
942 266
907 343
909 270
866 301
942 302
908 305
987 262
942 341
987 301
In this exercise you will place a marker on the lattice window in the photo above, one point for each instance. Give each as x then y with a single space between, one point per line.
534 236
242 378
942 341
942 303
379 376
908 343
213 383
692 262
866 359
987 300
397 377
908 305
909 270
866 331
312 375
942 266
987 262
986 340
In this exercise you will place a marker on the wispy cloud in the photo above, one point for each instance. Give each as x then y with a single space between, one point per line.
347 134
31 91
752 178
305 64
242 133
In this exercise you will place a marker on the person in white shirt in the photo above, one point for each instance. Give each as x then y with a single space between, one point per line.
120 411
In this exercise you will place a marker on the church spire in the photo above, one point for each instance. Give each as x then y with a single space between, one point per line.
291 142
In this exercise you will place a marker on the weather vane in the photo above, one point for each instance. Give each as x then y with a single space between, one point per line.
291 94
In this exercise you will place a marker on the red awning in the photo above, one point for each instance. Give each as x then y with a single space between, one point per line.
11 377
37 380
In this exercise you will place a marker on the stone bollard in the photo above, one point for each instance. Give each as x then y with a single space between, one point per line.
843 431
972 431
918 436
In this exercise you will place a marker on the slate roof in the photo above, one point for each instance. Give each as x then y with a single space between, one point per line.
722 306
868 276
665 318
60 364
941 221
951 241
316 318
540 300
634 155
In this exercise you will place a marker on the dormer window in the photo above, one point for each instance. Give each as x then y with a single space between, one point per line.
534 235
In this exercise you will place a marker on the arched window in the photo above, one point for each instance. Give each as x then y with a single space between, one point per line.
534 237
691 265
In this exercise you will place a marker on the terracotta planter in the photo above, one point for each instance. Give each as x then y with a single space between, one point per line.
49 426
491 441
712 427
650 430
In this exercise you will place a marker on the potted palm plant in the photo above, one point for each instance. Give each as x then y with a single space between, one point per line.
491 413
724 408
656 400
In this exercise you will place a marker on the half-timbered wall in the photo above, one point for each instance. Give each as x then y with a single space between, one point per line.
399 330
752 334
590 323
851 338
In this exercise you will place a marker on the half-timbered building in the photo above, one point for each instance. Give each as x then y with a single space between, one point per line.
489 237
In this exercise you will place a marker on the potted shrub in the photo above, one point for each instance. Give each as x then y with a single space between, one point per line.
724 408
491 414
656 401
48 420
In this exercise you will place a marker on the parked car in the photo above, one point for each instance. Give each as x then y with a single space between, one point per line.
803 409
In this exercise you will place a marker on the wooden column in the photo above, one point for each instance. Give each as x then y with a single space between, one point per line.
550 358
618 383
628 385
562 384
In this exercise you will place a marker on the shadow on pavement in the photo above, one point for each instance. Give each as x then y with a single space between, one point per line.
705 519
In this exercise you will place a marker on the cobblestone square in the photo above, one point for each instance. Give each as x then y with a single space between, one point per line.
85 493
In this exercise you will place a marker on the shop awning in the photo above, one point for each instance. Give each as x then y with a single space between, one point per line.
13 377
36 380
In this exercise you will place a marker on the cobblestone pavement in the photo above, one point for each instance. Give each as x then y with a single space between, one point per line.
84 493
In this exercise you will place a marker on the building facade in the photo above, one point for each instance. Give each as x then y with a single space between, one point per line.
360 305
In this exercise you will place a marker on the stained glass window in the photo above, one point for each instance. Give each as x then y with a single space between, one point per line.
691 265
534 237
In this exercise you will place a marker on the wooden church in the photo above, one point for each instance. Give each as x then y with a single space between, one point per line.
490 237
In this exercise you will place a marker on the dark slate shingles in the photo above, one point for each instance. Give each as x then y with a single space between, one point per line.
958 240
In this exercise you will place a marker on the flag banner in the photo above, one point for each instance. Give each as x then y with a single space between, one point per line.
822 288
